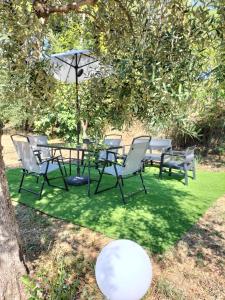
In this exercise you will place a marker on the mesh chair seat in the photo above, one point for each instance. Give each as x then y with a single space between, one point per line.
47 168
111 170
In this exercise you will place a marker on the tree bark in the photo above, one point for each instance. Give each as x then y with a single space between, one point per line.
43 10
11 260
84 124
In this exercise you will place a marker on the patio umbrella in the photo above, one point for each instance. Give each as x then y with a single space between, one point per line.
74 66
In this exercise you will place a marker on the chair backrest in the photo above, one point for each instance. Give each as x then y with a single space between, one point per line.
190 154
160 144
113 140
40 139
18 137
135 157
27 156
141 139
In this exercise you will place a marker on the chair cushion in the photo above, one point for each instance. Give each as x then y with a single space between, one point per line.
153 156
156 157
174 164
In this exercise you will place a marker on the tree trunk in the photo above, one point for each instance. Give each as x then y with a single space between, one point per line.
84 124
11 260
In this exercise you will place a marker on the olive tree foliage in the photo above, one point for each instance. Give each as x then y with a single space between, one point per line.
155 55
156 50
210 93
25 84
159 51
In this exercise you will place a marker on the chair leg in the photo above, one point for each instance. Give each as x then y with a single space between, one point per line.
143 183
84 167
60 168
160 171
65 169
121 189
46 178
100 179
170 171
89 177
116 183
21 182
60 152
194 170
186 177
42 187
70 163
143 167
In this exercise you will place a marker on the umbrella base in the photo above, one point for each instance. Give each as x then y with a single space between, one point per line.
76 180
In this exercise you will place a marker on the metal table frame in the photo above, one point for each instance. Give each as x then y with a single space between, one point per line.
80 149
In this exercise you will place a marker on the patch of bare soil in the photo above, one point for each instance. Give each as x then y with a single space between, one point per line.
213 162
193 269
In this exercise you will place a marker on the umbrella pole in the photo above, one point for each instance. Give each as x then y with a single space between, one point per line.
78 114
77 103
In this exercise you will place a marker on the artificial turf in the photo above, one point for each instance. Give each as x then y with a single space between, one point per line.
155 220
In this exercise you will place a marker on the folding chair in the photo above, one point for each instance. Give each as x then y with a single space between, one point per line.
110 140
133 165
32 166
44 153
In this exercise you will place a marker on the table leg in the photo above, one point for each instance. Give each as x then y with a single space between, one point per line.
78 162
89 177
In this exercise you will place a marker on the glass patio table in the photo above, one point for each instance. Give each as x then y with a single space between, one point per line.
90 150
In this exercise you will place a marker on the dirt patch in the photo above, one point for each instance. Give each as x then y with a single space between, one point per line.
193 269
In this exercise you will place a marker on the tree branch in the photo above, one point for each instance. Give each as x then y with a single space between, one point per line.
126 13
43 10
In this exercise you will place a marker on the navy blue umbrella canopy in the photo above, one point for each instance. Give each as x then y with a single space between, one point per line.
75 66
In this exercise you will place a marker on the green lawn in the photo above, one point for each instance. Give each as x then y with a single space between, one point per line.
156 220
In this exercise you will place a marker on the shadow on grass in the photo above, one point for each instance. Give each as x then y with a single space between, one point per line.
156 220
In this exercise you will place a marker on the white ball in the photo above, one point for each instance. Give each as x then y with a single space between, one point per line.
123 271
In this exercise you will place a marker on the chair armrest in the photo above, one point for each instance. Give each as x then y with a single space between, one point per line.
37 153
177 153
111 152
51 159
114 148
112 162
